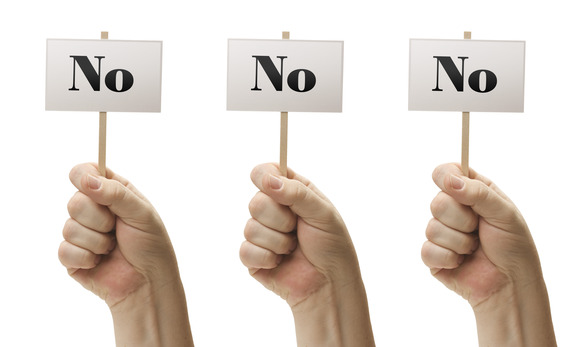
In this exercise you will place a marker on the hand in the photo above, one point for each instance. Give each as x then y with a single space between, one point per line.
114 240
480 247
116 246
298 246
296 242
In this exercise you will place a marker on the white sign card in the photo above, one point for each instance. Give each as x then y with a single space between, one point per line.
466 75
103 75
285 75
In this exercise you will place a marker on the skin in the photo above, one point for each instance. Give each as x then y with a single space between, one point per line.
479 246
116 246
298 246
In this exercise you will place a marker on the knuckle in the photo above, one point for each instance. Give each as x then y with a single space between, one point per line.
482 192
471 224
268 259
68 231
87 259
62 252
301 192
108 224
450 258
103 244
286 244
75 204
432 229
288 224
425 252
466 245
74 172
439 204
244 252
118 191
249 229
102 219
256 204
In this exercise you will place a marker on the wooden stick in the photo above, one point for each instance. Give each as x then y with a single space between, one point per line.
102 131
283 143
102 144
284 131
465 132
465 145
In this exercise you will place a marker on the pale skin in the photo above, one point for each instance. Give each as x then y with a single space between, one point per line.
298 246
479 246
116 246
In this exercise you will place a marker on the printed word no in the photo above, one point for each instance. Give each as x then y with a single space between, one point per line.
93 76
458 77
275 76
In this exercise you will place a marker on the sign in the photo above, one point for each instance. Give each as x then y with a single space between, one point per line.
285 75
103 75
466 75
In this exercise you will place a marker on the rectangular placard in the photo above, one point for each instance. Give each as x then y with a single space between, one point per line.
103 75
285 75
466 75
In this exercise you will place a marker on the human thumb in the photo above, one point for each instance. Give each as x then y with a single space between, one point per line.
484 200
121 201
302 200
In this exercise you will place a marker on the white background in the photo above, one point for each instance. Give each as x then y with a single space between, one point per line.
193 161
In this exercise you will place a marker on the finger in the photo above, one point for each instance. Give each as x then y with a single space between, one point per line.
298 196
90 214
445 170
277 242
78 173
91 240
261 171
483 200
486 201
115 192
437 257
476 176
456 241
453 214
74 257
255 257
121 201
442 171
272 214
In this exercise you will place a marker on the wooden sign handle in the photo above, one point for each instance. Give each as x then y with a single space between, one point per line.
465 144
284 131
102 131
465 132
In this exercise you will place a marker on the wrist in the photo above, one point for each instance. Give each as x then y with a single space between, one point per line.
336 315
518 315
154 315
